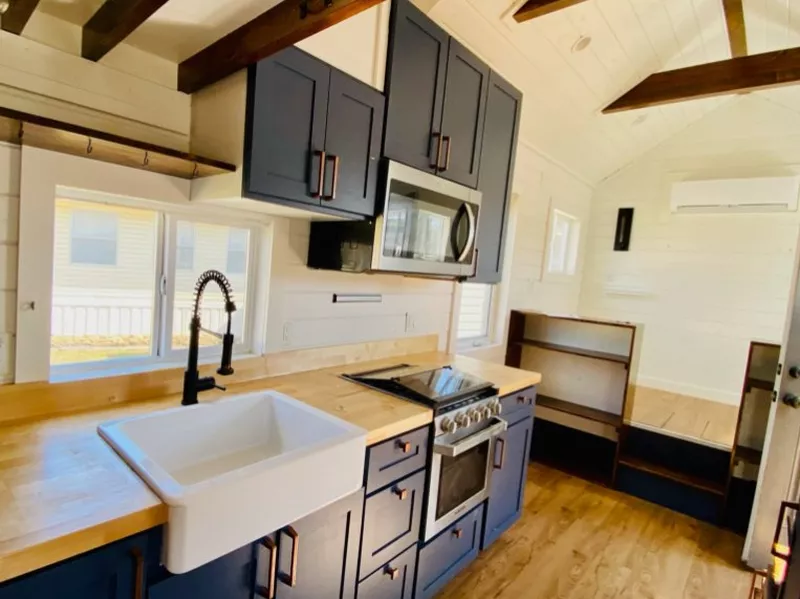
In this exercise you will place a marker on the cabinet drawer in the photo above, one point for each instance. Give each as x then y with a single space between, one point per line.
396 458
448 554
394 581
516 403
391 522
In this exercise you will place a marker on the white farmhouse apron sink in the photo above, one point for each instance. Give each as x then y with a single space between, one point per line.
237 469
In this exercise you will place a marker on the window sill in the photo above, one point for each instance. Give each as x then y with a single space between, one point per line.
126 369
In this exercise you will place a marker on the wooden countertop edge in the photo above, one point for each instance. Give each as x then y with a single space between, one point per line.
400 427
60 548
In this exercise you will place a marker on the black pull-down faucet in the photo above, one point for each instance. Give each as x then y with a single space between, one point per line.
192 382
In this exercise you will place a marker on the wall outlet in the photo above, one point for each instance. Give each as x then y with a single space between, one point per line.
411 324
287 334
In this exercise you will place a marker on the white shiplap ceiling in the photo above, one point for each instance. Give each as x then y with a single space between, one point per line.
565 90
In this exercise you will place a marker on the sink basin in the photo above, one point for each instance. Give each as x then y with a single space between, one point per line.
237 469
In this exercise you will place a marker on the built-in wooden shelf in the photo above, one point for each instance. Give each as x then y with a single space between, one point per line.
748 454
679 477
756 383
579 410
32 130
576 351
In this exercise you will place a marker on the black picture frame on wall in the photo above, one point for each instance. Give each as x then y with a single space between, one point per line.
622 236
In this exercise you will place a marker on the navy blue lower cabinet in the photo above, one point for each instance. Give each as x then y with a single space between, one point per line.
317 557
508 480
394 581
116 571
392 520
228 577
449 553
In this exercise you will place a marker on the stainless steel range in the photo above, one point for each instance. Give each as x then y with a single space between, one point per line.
467 424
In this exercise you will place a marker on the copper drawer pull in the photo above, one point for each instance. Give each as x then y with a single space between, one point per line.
392 573
438 137
404 446
321 181
335 180
502 443
138 576
291 578
268 592
449 141
520 399
401 493
458 533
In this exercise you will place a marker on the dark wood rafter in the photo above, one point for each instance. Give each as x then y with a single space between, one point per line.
16 16
747 73
537 8
737 34
113 22
280 27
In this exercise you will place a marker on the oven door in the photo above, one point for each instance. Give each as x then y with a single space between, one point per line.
461 471
428 225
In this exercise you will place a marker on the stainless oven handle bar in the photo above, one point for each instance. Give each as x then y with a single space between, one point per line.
452 450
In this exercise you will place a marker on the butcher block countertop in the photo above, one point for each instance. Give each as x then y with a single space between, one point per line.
64 492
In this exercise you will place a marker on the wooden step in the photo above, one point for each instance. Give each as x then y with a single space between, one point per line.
576 351
579 410
679 477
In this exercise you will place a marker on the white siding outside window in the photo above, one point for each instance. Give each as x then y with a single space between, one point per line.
474 314
565 234
184 250
93 238
237 251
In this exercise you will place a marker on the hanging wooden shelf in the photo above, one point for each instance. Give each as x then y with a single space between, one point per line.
49 134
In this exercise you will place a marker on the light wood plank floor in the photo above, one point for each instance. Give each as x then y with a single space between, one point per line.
683 415
577 540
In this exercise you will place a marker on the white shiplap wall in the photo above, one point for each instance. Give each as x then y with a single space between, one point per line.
9 222
702 286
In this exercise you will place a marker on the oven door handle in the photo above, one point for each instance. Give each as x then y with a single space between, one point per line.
452 450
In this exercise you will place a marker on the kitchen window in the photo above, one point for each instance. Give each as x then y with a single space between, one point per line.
135 310
565 232
475 314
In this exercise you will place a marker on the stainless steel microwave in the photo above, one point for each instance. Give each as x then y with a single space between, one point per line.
427 226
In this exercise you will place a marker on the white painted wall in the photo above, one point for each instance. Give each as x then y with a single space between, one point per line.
702 286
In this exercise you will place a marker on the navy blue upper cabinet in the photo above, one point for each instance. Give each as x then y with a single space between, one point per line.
312 137
117 571
436 98
508 480
415 80
500 133
463 115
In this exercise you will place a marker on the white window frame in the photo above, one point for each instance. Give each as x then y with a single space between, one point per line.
572 256
47 176
483 340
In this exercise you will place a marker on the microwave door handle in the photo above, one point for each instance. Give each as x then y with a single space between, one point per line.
473 230
452 450
460 213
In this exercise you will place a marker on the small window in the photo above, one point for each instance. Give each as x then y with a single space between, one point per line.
563 248
474 315
93 237
237 251
184 246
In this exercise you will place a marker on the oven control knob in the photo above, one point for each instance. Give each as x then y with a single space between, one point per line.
448 426
496 407
487 412
475 415
463 420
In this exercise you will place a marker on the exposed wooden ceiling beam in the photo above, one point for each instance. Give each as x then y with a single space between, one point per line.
113 22
747 73
737 34
16 16
280 27
536 8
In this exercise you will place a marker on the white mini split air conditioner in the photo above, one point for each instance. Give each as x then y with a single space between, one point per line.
757 194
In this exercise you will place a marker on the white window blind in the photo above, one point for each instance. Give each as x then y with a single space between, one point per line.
474 315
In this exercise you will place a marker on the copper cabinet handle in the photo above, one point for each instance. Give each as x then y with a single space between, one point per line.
138 576
392 573
449 141
404 446
401 493
291 578
268 592
520 399
438 138
321 180
502 443
335 180
458 533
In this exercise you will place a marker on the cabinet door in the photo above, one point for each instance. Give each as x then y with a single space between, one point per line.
352 145
415 79
230 576
394 581
508 480
117 571
463 115
287 104
500 132
318 556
